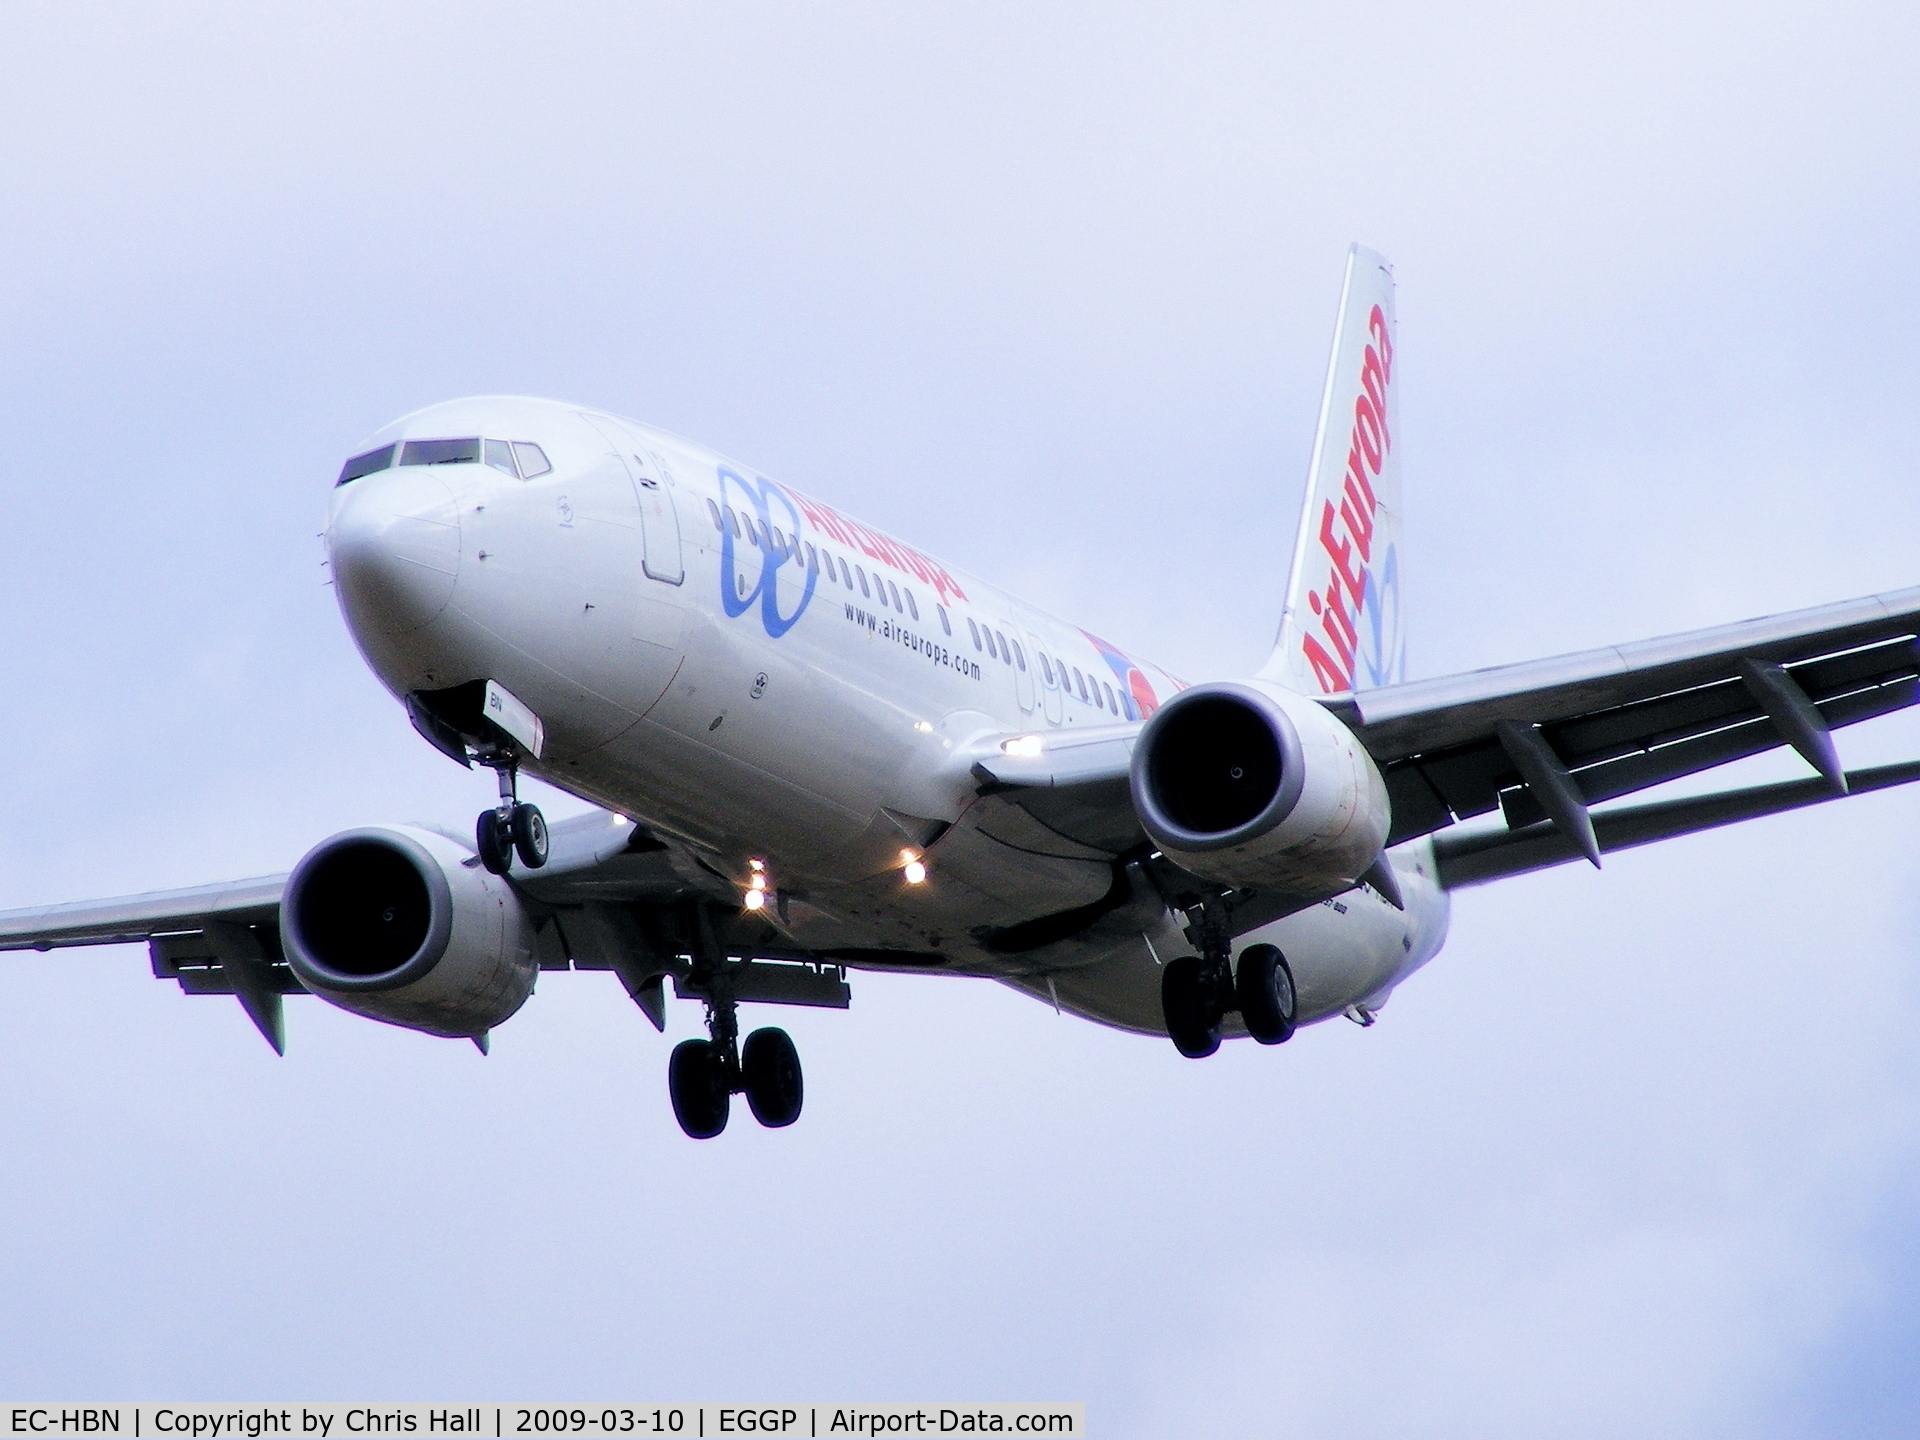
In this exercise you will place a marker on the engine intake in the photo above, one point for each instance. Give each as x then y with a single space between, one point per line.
1245 783
388 923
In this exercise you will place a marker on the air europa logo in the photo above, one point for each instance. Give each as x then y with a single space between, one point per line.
766 507
1359 606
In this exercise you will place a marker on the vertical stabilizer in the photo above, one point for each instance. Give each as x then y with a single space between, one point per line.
1343 628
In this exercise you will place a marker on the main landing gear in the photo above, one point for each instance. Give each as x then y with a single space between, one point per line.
1197 992
704 1075
512 827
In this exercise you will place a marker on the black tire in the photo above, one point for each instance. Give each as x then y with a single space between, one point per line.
530 836
1264 987
700 1100
770 1070
1191 1023
494 841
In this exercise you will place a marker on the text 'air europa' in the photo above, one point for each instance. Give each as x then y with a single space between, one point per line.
1346 531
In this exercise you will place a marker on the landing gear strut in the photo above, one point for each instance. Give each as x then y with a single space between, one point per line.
1198 991
510 828
703 1076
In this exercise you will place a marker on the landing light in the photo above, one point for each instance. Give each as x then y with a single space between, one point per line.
923 727
1024 747
756 899
912 867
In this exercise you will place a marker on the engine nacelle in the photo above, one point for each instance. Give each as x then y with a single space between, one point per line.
1248 784
389 923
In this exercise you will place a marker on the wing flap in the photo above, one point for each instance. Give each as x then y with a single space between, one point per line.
1635 716
1476 858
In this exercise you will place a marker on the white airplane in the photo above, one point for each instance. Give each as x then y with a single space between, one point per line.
819 749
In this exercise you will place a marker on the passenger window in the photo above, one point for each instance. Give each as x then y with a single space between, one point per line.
1080 681
946 626
367 464
714 511
779 541
533 460
976 632
1046 666
441 452
846 575
1004 656
1112 704
733 522
913 607
896 597
1019 655
500 457
813 560
863 582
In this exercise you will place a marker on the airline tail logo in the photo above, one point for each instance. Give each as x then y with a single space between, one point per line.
1358 605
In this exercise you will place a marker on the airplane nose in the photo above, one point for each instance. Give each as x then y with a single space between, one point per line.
394 542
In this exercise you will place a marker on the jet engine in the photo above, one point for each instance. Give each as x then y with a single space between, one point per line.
1249 784
396 923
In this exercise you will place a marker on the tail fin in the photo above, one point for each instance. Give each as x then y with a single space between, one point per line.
1342 628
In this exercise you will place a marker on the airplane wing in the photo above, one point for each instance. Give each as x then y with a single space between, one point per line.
225 939
1545 741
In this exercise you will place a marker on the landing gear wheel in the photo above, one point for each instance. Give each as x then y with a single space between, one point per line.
698 1088
529 829
1191 1019
770 1071
493 837
1264 988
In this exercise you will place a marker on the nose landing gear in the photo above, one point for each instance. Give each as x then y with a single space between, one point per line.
512 827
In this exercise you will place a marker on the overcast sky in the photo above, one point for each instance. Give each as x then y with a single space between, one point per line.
1045 290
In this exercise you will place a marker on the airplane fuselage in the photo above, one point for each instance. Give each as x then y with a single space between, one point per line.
792 695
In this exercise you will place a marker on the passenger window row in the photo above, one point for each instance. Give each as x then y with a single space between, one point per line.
520 458
773 540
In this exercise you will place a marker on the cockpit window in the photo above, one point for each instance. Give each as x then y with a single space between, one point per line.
365 464
440 452
500 457
533 460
